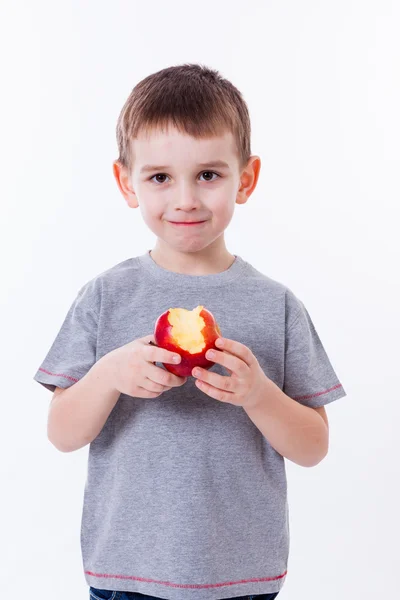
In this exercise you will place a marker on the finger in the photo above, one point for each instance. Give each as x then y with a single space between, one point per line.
232 363
215 393
154 353
237 349
149 339
153 344
152 386
162 376
221 382
146 393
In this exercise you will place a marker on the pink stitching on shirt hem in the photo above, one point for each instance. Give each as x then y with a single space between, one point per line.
191 586
318 393
58 375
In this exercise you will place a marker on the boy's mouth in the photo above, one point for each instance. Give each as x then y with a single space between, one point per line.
186 223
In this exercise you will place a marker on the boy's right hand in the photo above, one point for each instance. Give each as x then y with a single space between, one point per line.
133 372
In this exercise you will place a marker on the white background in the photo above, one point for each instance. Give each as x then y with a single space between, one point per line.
321 80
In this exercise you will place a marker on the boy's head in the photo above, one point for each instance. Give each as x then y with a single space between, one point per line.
174 132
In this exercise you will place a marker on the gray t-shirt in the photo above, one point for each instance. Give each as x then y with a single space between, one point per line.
185 499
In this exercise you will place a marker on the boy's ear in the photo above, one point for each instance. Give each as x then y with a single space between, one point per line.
248 179
122 178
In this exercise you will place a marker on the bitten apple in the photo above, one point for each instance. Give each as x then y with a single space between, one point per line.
190 333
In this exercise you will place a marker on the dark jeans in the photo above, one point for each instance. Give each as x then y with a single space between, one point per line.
96 594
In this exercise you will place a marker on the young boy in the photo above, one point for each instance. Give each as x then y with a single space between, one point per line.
186 495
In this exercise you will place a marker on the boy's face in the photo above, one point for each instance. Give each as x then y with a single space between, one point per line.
178 178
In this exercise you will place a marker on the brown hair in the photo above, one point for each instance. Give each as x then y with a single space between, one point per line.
195 99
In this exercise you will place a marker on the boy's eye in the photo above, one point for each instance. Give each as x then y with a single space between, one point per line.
158 175
209 173
156 178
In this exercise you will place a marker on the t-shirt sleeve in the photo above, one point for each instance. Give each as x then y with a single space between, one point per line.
73 351
309 376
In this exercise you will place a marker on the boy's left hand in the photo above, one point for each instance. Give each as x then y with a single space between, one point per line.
247 384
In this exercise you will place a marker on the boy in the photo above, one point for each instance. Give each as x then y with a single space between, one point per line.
186 495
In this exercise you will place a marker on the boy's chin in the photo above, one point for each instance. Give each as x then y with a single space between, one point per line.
188 243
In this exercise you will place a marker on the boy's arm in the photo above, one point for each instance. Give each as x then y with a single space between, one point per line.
321 411
77 414
299 433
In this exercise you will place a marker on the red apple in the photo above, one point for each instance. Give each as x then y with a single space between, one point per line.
190 333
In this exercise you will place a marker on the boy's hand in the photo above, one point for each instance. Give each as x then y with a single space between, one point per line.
133 370
247 382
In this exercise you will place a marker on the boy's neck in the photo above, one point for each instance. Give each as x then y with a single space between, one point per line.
206 262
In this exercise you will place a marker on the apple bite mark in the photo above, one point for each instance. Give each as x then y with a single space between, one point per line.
190 333
187 327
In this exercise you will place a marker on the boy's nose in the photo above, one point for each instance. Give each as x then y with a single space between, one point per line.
186 197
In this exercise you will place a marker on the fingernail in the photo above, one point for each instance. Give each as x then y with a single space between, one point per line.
176 358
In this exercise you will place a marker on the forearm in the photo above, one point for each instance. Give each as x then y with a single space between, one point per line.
296 431
77 414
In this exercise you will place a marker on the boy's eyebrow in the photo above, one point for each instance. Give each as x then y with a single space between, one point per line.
220 164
